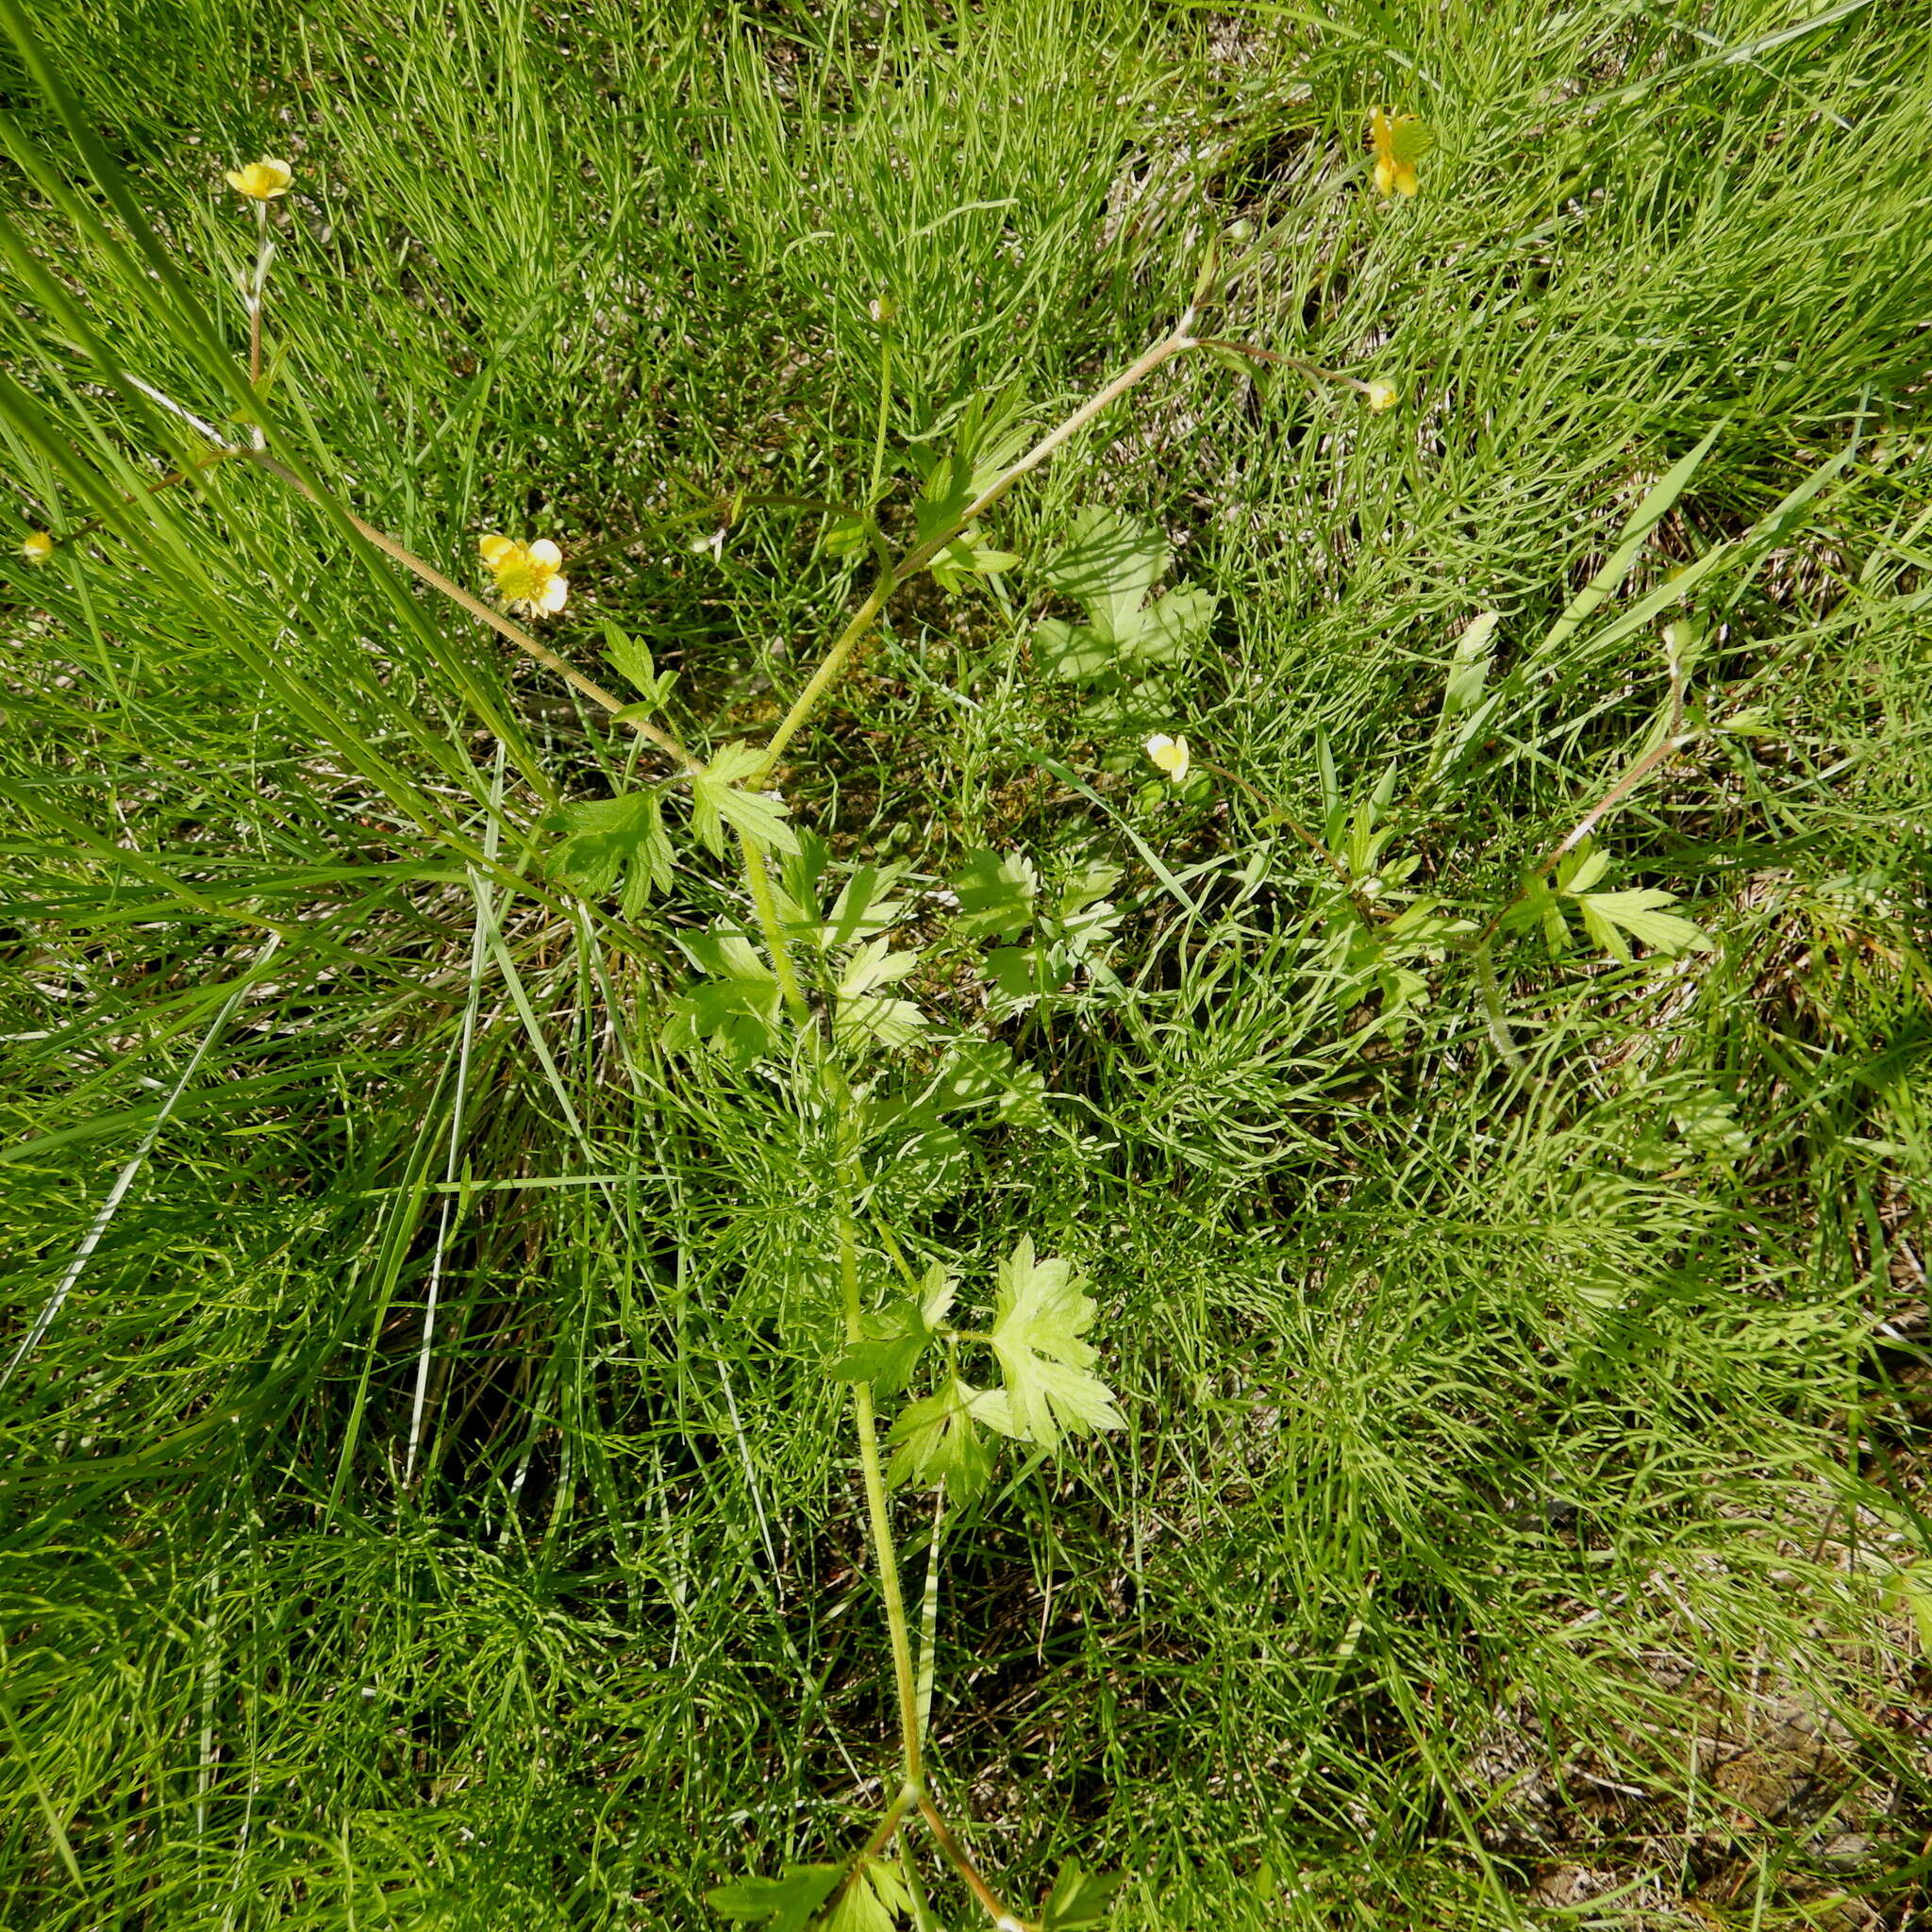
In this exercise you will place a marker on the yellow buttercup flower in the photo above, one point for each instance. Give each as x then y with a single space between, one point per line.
1170 754
526 574
261 181
1399 141
1380 395
38 547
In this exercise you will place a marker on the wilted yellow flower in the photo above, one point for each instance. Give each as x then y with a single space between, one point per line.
1400 140
526 576
1380 395
38 547
261 181
1170 754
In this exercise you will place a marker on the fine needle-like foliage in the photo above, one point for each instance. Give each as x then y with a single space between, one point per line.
965 967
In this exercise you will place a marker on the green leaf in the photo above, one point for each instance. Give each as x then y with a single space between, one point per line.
716 800
875 1895
863 1009
1072 651
738 1020
896 1337
632 657
1709 1122
1079 1899
861 909
1911 1590
735 1009
985 443
1631 540
1040 1315
1083 912
983 1071
849 536
936 1442
1110 564
788 1901
605 837
995 895
1469 669
1026 973
1607 916
1578 870
727 954
966 556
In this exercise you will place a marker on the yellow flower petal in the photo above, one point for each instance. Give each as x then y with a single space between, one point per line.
38 547
1398 139
554 591
261 181
1170 754
546 553
494 548
1381 395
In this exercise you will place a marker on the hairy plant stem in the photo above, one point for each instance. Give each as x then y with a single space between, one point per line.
961 1861
885 1554
757 878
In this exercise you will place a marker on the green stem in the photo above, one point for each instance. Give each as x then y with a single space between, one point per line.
957 1857
475 607
1177 342
833 662
760 880
885 1554
929 1613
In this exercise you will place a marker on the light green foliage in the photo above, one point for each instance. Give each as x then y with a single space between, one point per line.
735 1009
717 800
865 1011
1110 564
897 1336
785 1903
987 440
1611 920
632 657
1042 1312
1000 896
1079 1899
936 1442
427 1502
602 839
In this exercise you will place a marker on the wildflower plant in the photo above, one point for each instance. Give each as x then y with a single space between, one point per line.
814 978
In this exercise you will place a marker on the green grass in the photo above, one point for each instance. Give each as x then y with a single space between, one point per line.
424 1506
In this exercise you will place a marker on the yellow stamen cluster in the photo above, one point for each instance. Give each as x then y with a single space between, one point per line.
526 574
261 181
1171 754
